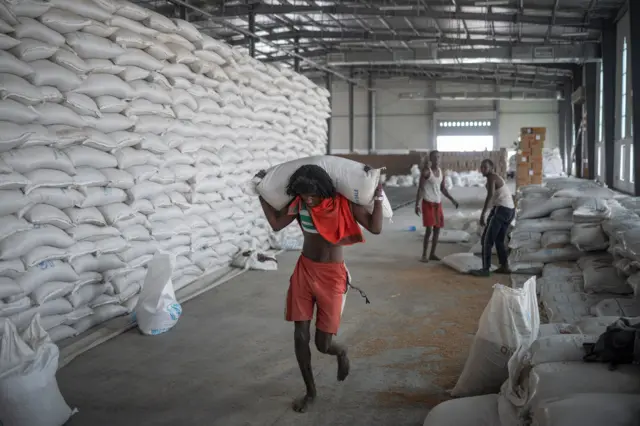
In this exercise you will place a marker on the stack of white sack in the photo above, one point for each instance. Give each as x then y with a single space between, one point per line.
125 132
471 178
460 228
402 181
552 166
557 223
549 384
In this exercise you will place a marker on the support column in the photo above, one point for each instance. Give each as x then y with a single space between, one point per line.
296 60
351 115
252 29
577 120
568 127
183 12
329 84
496 131
371 102
609 63
562 123
591 102
634 61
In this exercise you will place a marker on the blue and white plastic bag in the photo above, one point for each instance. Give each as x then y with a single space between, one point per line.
158 310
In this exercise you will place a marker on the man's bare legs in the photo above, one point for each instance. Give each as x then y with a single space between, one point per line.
325 344
434 244
302 337
425 244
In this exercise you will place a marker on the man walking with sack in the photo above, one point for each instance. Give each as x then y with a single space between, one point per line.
329 221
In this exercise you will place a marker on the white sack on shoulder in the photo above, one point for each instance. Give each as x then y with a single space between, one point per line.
350 178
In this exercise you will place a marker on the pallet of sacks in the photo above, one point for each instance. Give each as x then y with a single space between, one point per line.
124 132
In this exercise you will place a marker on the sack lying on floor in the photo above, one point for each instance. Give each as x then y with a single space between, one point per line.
534 209
253 259
589 409
555 239
349 177
158 310
563 379
544 350
600 276
463 262
589 237
474 411
564 254
29 393
510 320
525 239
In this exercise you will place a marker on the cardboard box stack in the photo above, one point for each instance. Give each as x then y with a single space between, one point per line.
529 156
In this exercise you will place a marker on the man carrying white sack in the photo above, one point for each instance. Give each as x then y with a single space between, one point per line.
497 224
329 221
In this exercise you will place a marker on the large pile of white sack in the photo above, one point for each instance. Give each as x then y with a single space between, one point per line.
583 240
452 179
124 132
552 166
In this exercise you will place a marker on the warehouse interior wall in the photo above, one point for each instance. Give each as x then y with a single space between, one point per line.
513 115
408 125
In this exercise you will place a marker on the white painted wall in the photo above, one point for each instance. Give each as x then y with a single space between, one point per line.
513 115
403 125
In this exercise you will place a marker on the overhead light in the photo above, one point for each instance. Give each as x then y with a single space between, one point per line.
576 34
396 7
493 3
423 40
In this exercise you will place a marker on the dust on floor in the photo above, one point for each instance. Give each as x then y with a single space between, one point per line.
230 361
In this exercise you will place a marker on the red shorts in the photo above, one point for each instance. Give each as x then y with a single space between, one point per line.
432 215
321 284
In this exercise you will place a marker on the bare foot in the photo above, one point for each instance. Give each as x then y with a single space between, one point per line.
301 405
434 257
343 366
424 259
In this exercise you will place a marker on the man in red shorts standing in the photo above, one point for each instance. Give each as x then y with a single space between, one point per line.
429 203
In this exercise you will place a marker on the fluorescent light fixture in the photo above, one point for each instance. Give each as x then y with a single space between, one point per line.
576 34
396 7
423 40
493 3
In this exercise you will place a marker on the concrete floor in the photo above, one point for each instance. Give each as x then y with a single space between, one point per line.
230 362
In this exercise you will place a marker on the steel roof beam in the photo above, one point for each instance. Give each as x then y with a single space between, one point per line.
512 17
434 56
332 37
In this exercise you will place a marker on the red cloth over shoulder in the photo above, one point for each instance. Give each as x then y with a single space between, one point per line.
333 218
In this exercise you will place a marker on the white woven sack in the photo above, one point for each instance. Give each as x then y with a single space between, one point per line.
474 411
30 28
89 46
158 310
29 393
511 319
30 50
19 89
105 85
350 178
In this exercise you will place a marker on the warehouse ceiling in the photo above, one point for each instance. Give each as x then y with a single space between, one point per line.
531 44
